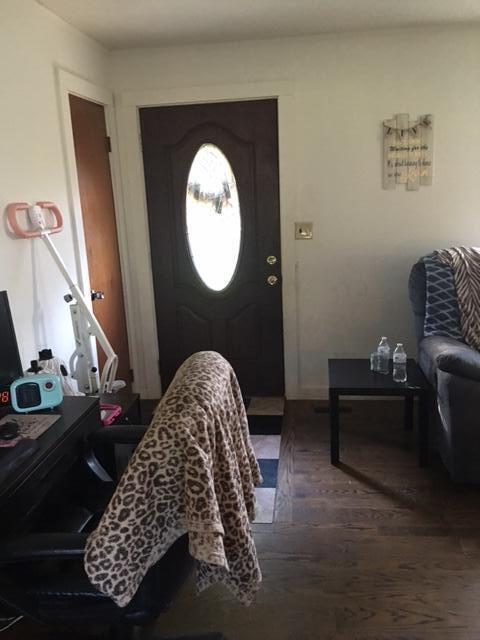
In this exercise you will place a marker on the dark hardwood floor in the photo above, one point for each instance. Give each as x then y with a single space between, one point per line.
375 549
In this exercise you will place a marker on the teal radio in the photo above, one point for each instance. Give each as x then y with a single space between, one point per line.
34 393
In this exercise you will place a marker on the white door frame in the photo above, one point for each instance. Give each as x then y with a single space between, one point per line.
142 303
68 83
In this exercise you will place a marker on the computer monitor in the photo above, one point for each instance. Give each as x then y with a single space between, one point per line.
10 363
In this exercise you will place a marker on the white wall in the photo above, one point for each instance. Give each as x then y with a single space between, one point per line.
33 41
349 285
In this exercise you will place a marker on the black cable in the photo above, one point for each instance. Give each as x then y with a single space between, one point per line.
9 622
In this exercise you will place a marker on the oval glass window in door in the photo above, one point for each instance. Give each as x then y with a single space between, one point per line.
214 226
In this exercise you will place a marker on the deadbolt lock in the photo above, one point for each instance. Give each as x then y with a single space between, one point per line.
272 280
272 259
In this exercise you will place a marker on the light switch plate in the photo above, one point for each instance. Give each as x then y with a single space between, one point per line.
303 230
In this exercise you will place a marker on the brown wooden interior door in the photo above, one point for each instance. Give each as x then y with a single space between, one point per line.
98 211
242 321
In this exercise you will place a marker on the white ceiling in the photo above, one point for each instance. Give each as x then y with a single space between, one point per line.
142 23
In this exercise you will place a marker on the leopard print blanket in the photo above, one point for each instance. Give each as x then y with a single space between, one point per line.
193 472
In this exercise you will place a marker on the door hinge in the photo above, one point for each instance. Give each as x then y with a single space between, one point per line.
132 376
109 145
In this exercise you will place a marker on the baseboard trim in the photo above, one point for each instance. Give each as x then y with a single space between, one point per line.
321 393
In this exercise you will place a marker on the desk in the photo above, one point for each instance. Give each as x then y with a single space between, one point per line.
60 447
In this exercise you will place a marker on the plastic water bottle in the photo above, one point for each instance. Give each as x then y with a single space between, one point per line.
383 356
400 364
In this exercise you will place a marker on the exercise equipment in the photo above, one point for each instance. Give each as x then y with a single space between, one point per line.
85 325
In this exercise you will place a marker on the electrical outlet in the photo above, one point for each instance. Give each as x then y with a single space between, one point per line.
303 230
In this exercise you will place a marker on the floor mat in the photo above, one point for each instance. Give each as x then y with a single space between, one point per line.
265 415
267 451
265 418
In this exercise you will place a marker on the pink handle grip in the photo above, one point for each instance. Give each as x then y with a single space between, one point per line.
110 413
14 207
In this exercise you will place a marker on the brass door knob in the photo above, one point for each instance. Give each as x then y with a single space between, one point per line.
272 280
272 260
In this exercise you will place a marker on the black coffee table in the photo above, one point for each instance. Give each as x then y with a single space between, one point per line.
349 377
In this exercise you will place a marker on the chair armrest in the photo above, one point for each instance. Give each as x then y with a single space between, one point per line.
31 548
112 435
43 546
118 434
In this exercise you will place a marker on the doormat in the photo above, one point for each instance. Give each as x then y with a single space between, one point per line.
265 417
267 451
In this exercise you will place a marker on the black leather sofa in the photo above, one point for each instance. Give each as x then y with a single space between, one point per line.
453 371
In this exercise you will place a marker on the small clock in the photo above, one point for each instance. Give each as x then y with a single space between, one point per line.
5 396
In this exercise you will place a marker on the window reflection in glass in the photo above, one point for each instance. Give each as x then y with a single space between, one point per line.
213 217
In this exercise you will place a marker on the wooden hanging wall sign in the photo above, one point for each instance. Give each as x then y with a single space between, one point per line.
407 151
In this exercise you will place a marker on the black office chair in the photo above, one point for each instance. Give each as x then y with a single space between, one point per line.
43 579
42 576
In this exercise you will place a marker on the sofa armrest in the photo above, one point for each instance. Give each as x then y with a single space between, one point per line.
430 349
417 291
460 360
448 355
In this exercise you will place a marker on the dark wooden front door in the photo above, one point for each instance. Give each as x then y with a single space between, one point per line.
99 224
240 316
